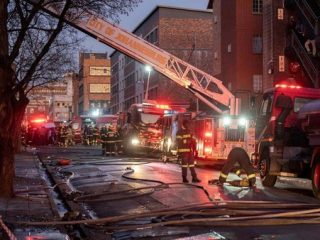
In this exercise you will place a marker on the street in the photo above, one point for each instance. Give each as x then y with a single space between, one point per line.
136 197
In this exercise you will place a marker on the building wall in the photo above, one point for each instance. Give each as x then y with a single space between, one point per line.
94 82
235 26
274 37
187 34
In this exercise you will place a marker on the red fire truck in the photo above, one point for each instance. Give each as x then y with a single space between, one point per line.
289 140
142 127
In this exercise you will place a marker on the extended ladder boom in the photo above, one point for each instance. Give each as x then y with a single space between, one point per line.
204 86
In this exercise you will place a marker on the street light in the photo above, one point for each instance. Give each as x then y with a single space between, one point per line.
147 69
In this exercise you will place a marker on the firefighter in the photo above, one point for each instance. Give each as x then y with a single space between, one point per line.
95 133
110 141
118 139
69 136
64 135
90 135
103 137
186 148
238 161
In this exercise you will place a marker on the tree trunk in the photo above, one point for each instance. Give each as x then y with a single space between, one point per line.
11 116
7 167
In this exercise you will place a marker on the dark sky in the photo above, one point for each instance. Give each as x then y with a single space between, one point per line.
139 13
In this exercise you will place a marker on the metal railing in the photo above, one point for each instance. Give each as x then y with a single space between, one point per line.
305 60
308 12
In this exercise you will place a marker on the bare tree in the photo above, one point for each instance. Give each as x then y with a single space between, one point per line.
36 48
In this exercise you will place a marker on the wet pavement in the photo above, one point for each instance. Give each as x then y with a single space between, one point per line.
104 188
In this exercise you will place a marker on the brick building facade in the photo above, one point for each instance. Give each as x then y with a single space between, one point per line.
238 48
186 33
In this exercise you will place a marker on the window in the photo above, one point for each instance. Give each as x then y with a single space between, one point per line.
229 48
257 83
265 109
257 7
257 44
299 102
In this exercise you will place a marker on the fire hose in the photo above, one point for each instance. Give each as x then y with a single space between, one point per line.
213 213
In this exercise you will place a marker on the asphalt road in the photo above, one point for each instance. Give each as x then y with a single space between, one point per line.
124 185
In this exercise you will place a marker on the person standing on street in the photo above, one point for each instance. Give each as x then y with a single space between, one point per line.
186 148
103 137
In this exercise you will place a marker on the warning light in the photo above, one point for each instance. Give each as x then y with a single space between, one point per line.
208 134
287 86
38 120
207 150
162 106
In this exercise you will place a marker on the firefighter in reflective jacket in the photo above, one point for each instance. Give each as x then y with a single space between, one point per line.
238 161
186 149
111 142
103 137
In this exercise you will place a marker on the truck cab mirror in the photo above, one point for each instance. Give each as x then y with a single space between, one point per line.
284 102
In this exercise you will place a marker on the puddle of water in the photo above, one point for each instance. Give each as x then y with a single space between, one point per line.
37 234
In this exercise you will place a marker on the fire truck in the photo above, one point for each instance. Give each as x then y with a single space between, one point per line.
289 141
143 128
218 134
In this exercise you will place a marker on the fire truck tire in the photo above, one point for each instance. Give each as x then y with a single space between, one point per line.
265 167
315 177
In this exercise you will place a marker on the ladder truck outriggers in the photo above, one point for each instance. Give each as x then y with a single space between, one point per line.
216 136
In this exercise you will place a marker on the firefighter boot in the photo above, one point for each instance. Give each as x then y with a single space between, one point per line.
185 180
196 180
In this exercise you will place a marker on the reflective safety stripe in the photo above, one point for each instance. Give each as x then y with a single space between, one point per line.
252 176
184 150
184 136
191 165
185 166
223 175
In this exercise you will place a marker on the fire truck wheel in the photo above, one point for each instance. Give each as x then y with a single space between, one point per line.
265 166
316 179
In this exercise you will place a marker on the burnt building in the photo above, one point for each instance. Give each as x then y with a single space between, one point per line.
94 83
185 33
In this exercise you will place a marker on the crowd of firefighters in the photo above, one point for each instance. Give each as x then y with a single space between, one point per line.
111 144
65 136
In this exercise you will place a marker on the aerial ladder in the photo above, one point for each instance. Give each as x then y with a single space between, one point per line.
205 87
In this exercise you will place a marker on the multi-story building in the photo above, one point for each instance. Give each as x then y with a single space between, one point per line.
94 83
61 102
186 33
55 100
238 48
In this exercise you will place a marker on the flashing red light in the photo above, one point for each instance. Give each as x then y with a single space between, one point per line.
287 86
161 106
38 120
208 134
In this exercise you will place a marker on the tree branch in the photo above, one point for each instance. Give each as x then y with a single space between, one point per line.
22 33
46 47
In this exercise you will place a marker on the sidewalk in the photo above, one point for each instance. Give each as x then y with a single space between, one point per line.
31 203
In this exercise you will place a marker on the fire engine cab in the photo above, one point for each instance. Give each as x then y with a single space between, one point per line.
142 127
289 143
